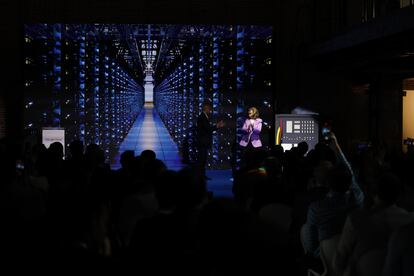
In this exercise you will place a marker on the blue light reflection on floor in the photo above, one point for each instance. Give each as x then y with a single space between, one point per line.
149 132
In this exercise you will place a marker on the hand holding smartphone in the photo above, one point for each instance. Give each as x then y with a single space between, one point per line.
325 133
19 165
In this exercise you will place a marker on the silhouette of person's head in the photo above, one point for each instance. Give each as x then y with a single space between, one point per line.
56 151
255 158
273 166
94 155
323 152
277 151
76 149
192 189
207 108
339 179
302 148
127 159
387 189
148 155
166 189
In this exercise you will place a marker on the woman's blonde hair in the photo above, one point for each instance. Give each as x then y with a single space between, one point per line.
255 112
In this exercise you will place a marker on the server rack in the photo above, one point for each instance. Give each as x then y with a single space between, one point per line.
259 70
229 67
37 80
70 83
241 84
227 102
74 79
208 87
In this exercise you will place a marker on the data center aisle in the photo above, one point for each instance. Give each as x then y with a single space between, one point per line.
149 132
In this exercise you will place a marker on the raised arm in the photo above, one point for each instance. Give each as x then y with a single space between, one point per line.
354 188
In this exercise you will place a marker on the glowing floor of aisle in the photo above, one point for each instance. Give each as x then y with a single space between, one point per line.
149 132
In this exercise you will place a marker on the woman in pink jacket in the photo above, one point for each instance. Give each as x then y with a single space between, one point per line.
252 128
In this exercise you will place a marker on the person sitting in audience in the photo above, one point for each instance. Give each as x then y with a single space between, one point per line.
400 252
370 229
326 217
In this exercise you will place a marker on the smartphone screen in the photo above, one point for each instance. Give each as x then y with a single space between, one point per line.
325 133
19 165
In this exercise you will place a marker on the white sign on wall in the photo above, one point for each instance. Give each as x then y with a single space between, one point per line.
51 135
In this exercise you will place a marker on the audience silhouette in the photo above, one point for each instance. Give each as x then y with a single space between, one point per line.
76 212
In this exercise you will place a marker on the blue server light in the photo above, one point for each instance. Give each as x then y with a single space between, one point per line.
74 72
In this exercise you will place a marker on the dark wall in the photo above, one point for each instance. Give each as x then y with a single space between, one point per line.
151 11
336 85
302 81
11 64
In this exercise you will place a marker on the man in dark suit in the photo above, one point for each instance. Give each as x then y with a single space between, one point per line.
205 135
